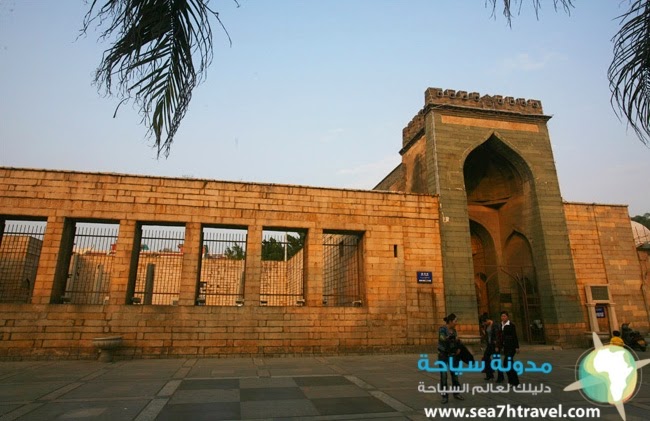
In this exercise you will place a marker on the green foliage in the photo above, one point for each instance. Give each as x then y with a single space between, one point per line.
629 72
643 220
537 5
235 252
295 243
155 42
152 57
273 249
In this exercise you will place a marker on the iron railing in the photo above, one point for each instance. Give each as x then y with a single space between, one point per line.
222 267
282 282
20 251
341 269
160 264
91 263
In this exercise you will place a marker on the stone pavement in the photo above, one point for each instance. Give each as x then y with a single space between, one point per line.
377 387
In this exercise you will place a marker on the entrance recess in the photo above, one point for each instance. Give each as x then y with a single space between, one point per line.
499 189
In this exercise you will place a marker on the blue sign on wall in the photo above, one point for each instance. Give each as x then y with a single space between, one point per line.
425 277
600 312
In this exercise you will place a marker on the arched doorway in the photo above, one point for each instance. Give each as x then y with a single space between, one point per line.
484 262
498 184
521 270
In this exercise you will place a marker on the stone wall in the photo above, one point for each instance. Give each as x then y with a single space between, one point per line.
448 150
399 238
514 131
603 252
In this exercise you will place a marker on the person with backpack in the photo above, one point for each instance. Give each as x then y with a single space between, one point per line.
448 346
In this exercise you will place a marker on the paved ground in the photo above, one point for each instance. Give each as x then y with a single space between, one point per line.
377 387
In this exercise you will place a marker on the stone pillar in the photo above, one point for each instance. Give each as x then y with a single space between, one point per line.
192 251
593 320
445 164
613 320
47 264
125 263
253 271
314 268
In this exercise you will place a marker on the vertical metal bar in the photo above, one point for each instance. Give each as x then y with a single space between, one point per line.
148 288
98 284
72 276
2 230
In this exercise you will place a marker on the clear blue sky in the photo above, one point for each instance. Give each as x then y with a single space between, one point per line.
317 92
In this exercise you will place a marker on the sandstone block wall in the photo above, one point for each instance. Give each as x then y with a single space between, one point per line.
435 145
400 236
603 252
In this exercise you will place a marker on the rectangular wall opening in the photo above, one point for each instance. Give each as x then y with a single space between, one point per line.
21 242
283 260
223 259
342 268
91 263
159 265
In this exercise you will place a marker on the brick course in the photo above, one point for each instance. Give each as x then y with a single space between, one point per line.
436 145
393 316
421 220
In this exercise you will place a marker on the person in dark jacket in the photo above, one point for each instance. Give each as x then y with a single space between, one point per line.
508 346
491 332
448 346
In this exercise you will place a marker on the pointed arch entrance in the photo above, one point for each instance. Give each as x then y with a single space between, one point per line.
484 260
498 185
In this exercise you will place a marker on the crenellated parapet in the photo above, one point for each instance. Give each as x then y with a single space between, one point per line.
413 129
437 96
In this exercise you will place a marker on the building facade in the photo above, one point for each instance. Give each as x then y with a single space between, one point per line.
471 221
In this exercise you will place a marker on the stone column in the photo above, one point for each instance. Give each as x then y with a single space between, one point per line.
125 262
192 250
314 268
445 168
47 264
253 271
593 320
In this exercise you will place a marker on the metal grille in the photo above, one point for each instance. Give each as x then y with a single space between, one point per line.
91 263
282 268
599 293
222 267
341 274
160 263
20 251
517 285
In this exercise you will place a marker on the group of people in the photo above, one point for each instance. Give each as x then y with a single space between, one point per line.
500 339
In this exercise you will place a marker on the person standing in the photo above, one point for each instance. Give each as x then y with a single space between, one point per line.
508 346
491 331
448 347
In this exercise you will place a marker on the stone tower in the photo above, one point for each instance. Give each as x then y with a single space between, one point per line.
503 230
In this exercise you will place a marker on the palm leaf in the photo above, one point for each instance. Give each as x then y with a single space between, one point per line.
537 5
629 72
161 51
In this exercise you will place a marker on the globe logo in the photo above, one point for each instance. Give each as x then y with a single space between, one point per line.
608 374
614 368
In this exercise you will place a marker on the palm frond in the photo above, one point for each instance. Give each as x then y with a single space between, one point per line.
152 60
537 5
629 72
